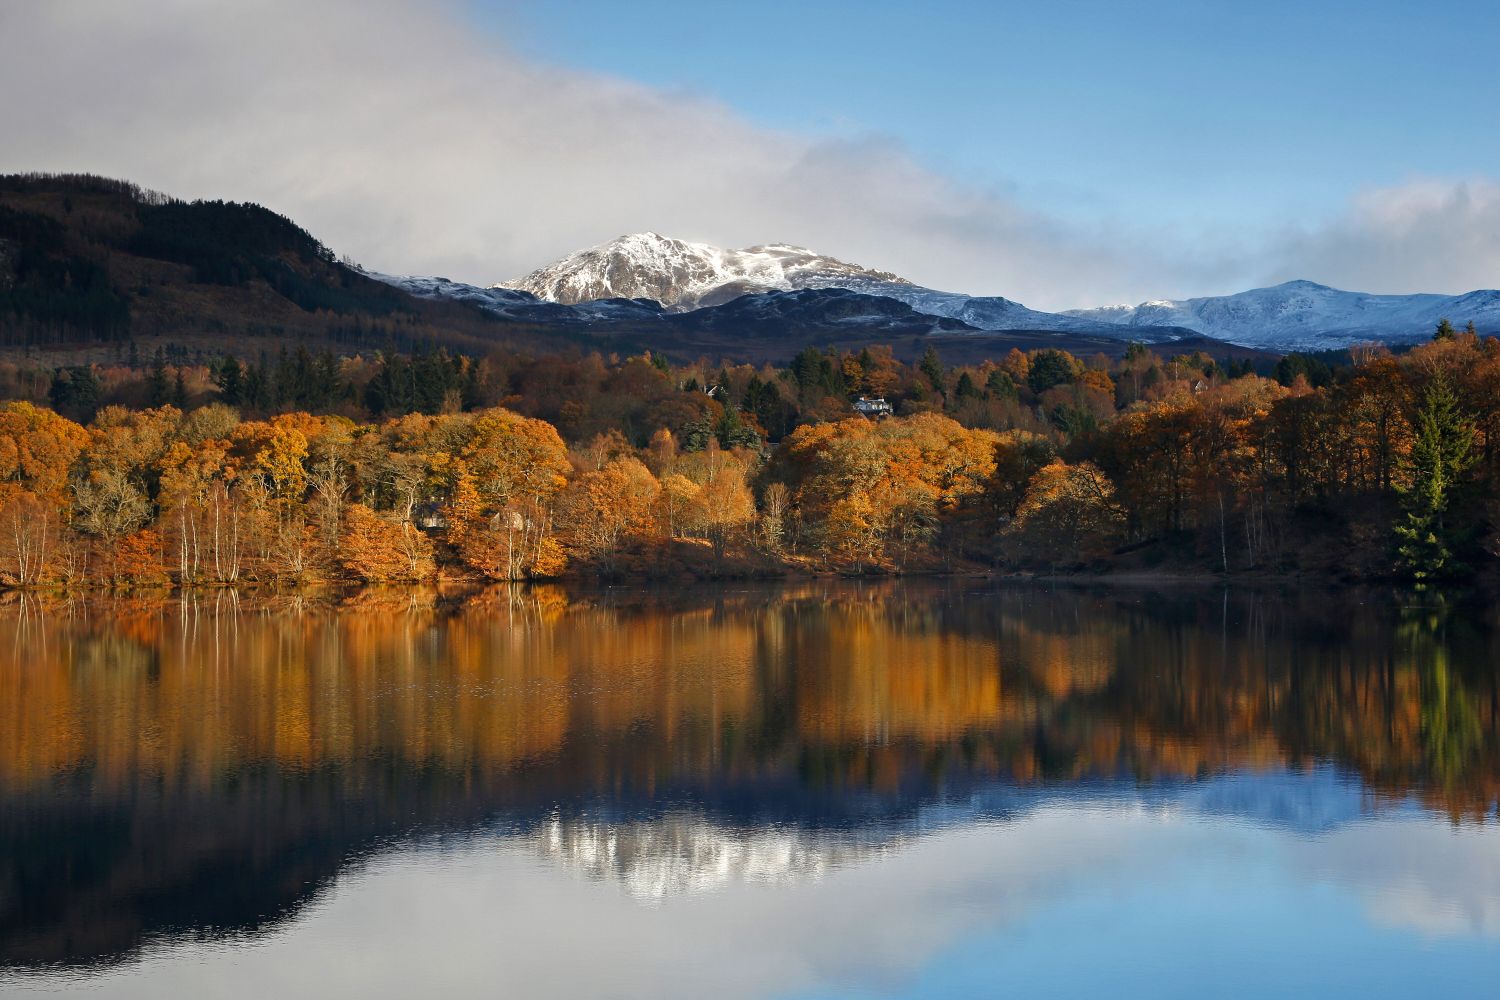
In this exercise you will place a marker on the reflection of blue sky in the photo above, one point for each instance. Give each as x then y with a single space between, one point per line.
1305 801
1191 937
1189 893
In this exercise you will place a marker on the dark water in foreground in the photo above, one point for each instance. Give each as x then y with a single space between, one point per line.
827 791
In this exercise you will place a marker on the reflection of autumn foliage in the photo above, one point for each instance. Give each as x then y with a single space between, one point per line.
282 734
1035 688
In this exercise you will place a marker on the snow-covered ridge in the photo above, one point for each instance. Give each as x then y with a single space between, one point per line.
1304 314
684 275
520 305
625 279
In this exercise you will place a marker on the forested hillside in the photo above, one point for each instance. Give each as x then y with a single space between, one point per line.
525 467
87 262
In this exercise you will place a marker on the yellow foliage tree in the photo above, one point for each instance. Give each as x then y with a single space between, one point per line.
375 549
603 510
1069 515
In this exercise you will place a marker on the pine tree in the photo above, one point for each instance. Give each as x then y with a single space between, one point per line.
1444 330
158 390
733 432
932 369
1000 385
1442 451
696 434
229 377
75 391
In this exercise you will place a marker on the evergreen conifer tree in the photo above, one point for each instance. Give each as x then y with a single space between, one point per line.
1441 453
229 377
158 390
932 369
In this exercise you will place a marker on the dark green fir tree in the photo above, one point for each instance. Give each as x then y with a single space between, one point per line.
1441 453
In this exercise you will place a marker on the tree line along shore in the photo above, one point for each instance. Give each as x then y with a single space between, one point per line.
304 468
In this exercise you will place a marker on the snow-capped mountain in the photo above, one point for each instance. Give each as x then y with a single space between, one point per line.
514 304
682 275
1306 315
827 308
992 312
625 279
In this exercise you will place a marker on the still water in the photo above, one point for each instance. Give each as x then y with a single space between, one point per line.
892 791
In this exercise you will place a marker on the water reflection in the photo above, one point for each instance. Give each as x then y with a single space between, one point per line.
208 766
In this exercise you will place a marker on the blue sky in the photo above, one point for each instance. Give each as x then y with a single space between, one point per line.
1060 154
1190 113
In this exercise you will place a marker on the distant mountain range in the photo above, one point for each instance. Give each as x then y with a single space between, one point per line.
88 263
1304 314
1297 315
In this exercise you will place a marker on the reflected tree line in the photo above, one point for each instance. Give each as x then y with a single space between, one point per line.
208 764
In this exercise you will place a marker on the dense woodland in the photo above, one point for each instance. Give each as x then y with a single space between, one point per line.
305 468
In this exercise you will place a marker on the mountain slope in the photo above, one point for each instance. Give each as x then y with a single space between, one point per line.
683 275
86 261
88 264
1297 315
1307 316
774 325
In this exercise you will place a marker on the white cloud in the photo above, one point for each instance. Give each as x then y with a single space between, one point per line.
488 915
1422 236
399 135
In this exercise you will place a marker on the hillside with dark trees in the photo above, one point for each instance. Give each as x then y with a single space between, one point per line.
88 263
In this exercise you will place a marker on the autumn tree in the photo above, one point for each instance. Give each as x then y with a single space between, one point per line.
874 492
515 467
604 509
110 507
723 506
29 528
38 449
1069 515
376 549
774 514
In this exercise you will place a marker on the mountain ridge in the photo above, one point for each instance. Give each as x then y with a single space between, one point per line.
1308 315
1294 315
684 275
